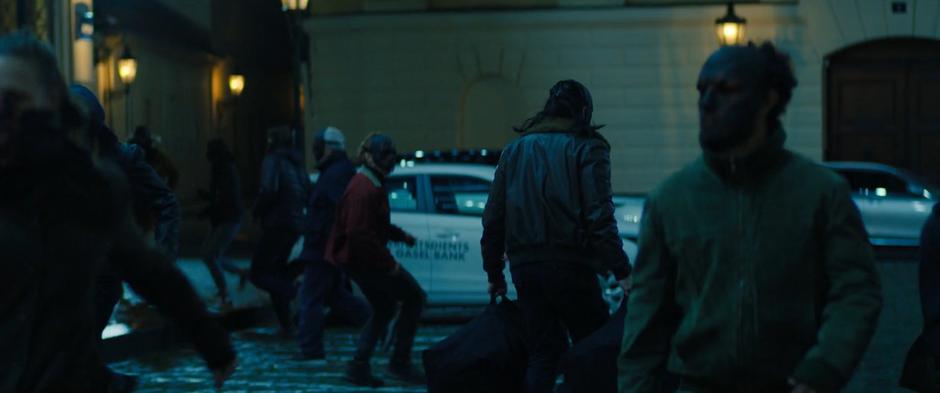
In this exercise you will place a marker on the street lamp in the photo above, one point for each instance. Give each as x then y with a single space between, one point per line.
730 28
127 67
236 84
294 5
127 71
295 10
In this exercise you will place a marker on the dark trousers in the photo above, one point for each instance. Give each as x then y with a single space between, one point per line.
324 286
108 291
384 291
695 385
213 251
269 271
558 299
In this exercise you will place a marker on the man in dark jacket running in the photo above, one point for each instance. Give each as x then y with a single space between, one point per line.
754 272
358 243
280 207
224 212
550 211
62 218
323 283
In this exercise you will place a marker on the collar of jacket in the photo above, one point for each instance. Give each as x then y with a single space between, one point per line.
751 165
551 124
333 158
373 177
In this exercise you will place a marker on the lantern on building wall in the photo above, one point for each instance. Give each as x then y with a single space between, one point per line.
127 67
730 28
236 84
294 5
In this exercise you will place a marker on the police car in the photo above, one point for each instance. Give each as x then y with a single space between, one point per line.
441 204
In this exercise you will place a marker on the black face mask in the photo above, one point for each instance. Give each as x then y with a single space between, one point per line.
319 150
732 91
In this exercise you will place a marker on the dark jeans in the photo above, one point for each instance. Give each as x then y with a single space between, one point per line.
694 385
384 291
213 251
325 285
558 299
269 271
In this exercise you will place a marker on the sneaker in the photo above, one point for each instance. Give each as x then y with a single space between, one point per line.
407 373
360 374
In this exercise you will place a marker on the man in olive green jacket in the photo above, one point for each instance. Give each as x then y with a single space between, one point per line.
754 272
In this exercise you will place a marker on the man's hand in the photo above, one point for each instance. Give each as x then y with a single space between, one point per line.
627 285
410 241
222 374
498 288
800 388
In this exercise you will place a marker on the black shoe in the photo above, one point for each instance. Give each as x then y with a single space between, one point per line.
407 373
360 374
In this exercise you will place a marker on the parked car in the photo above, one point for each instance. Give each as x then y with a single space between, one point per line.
442 205
894 203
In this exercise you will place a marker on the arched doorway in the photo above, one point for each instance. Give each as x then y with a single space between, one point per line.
883 104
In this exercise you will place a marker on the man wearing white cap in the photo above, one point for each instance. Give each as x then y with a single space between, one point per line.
324 284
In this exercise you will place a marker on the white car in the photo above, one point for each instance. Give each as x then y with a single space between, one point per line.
442 205
894 203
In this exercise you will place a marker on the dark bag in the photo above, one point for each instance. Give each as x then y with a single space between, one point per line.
921 372
591 365
487 355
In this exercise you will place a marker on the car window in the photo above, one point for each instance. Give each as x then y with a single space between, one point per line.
875 184
402 193
463 195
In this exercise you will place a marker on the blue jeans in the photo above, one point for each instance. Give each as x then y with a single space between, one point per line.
558 299
324 286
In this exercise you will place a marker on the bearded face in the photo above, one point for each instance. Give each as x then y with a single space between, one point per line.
732 98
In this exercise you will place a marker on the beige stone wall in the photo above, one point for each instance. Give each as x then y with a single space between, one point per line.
462 79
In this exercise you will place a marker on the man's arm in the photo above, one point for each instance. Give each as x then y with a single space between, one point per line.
149 190
493 242
853 298
152 275
653 316
598 207
361 232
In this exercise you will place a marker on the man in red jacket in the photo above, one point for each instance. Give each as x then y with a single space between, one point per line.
358 243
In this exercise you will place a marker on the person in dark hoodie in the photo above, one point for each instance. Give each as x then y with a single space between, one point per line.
224 212
754 272
64 215
280 208
323 283
358 243
921 372
550 210
150 194
157 159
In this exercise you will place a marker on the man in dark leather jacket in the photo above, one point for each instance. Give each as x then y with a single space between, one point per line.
63 216
550 211
280 207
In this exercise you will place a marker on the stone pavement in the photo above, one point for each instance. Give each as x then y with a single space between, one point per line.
266 365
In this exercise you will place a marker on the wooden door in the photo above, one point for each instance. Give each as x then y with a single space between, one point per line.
883 105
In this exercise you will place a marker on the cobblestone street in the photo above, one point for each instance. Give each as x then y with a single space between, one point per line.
266 364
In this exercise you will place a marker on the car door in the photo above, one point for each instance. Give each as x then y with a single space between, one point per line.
410 213
457 203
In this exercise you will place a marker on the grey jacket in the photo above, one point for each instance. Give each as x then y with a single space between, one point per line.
551 201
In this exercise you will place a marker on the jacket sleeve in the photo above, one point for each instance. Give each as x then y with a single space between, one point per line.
654 315
493 242
598 207
362 236
151 191
930 281
396 234
852 300
152 275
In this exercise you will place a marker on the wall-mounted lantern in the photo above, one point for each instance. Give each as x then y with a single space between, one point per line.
730 28
127 67
236 84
